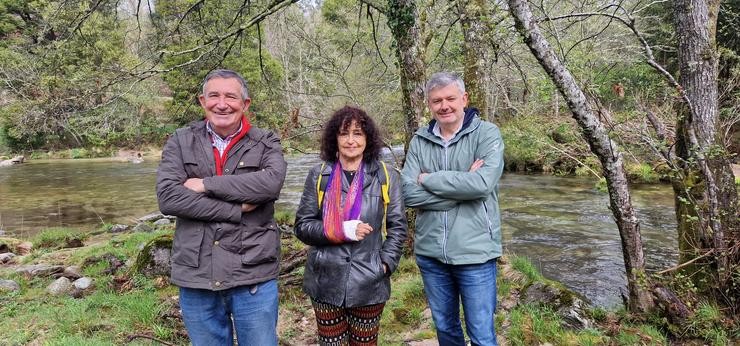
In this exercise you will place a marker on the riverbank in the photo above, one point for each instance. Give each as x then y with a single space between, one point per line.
123 305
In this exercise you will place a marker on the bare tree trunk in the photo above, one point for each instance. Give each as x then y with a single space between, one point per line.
403 20
479 49
706 197
640 299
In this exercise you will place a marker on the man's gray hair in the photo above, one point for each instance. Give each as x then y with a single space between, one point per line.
226 74
441 80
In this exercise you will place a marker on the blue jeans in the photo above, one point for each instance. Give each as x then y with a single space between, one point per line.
445 285
208 315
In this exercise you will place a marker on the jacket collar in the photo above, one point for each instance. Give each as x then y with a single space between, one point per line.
471 121
370 169
204 142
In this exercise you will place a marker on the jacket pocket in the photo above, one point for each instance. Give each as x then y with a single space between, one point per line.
249 162
379 263
192 169
260 244
187 242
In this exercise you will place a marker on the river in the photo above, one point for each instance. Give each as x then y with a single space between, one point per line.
561 223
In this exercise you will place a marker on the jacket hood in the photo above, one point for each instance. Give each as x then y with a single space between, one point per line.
470 113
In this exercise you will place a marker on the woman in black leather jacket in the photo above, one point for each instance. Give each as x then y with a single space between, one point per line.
350 261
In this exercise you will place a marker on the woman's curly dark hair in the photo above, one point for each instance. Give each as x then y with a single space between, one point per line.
341 120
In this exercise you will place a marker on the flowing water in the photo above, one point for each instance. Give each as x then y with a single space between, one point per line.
562 224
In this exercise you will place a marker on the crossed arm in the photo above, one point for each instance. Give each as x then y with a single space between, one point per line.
442 190
219 198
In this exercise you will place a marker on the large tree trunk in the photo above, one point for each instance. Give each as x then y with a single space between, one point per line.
479 49
403 20
706 197
640 299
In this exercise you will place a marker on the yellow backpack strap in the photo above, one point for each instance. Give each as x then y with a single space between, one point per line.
384 186
318 185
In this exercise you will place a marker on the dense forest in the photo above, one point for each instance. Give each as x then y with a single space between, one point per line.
624 90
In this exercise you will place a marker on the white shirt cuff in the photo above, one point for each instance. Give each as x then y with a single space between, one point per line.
350 229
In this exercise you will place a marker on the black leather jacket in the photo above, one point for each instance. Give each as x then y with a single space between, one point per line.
351 274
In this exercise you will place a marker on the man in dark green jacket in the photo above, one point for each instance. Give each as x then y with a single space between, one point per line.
220 176
451 177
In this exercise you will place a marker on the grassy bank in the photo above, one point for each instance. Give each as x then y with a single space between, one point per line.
534 143
128 307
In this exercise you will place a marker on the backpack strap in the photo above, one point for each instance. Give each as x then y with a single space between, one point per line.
320 189
384 189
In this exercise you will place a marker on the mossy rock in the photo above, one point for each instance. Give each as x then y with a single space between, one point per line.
60 238
154 259
569 305
9 245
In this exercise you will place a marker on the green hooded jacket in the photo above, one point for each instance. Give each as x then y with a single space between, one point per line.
458 219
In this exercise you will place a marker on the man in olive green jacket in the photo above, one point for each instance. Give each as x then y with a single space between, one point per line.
451 177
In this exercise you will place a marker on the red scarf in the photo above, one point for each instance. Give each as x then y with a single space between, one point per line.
221 158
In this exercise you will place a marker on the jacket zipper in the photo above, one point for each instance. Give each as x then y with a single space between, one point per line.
444 229
488 220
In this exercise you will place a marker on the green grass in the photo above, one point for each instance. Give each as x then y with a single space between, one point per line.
526 267
707 324
285 217
105 317
58 237
534 325
116 310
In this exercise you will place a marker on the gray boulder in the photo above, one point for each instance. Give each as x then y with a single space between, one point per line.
118 228
83 283
6 257
72 272
60 286
162 222
142 227
9 286
151 217
39 270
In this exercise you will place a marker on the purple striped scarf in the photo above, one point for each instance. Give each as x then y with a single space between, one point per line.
336 212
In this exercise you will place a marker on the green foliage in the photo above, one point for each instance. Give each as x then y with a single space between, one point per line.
78 153
62 92
642 173
240 53
335 11
601 185
56 238
598 314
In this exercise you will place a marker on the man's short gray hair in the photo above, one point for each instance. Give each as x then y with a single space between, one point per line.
441 80
226 74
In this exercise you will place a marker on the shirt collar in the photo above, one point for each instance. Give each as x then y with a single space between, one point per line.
229 137
438 132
